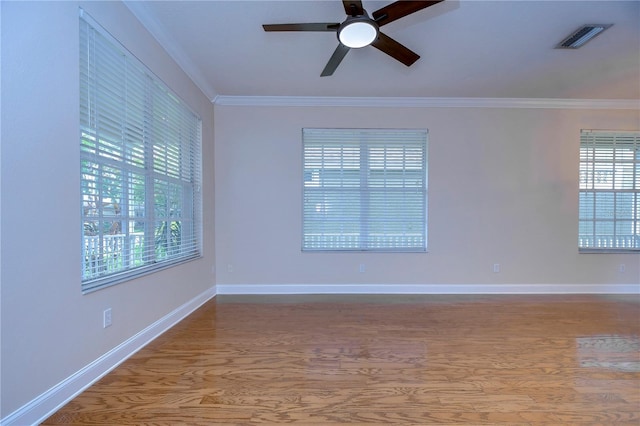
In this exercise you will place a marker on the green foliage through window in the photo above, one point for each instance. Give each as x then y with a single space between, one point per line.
140 165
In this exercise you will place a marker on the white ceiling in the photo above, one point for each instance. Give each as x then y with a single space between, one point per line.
468 49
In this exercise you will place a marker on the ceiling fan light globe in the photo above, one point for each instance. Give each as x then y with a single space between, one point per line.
357 33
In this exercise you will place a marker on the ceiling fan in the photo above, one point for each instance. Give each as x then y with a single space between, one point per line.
359 30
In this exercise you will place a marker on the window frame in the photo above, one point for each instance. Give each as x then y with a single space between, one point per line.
140 166
363 188
610 171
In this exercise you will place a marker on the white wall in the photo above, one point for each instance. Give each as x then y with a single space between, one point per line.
503 188
49 329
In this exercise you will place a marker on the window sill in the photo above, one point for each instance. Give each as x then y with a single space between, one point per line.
607 250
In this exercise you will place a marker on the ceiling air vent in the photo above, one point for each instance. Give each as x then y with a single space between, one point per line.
582 35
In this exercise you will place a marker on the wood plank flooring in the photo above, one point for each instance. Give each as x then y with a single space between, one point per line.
322 360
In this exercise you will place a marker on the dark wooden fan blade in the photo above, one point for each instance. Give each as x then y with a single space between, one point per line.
334 61
399 10
320 26
353 7
395 49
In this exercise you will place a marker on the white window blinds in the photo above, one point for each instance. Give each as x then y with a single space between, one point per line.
609 207
365 190
140 149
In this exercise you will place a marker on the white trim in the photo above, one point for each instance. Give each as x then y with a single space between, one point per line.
141 11
265 289
391 102
50 401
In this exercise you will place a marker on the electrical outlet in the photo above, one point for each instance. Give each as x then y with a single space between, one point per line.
622 267
229 267
106 318
496 268
362 268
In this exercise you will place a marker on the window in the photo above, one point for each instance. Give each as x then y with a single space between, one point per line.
140 166
364 190
609 212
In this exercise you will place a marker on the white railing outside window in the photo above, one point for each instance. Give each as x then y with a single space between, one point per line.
609 205
364 190
140 166
111 253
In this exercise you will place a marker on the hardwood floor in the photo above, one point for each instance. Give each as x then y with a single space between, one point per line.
517 360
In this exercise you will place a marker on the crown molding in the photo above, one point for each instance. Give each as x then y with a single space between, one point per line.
157 31
417 102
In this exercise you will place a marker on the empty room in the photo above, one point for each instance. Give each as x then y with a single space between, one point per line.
320 212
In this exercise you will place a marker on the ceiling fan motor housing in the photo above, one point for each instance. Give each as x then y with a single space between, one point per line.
358 31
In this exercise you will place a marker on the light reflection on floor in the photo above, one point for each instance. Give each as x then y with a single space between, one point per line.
620 353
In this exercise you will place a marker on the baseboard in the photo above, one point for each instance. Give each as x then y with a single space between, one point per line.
49 402
238 289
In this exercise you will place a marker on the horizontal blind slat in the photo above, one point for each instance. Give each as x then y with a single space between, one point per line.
127 114
609 215
364 189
